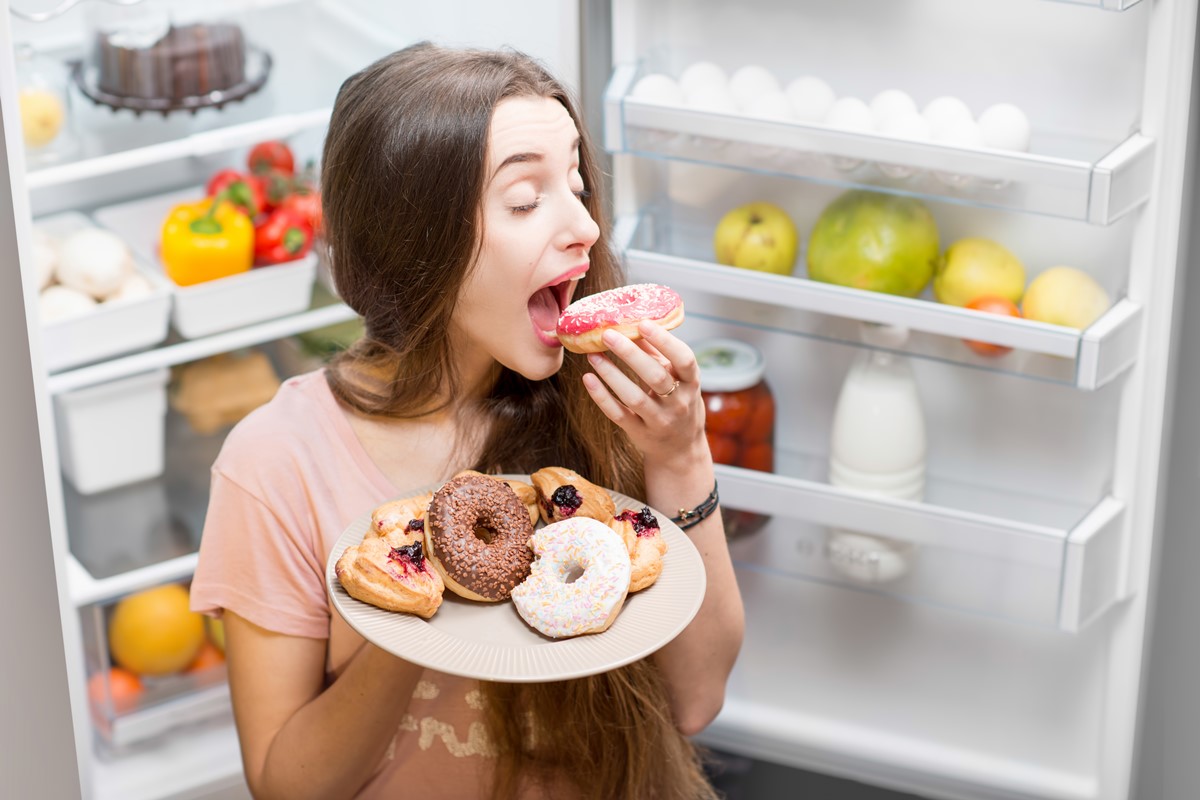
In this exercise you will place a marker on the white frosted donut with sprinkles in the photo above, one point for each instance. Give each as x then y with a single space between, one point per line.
583 323
595 556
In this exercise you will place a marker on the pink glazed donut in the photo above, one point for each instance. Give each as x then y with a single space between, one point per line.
583 322
595 556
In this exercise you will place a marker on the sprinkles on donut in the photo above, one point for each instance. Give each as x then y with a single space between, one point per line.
583 323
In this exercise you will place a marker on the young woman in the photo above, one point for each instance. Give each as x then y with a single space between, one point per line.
458 191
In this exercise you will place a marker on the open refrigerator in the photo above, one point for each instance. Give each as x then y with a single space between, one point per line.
1006 661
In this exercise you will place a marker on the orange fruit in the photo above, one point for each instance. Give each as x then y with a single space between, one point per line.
991 305
154 632
123 685
209 656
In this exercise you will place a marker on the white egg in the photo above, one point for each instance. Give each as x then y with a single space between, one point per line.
811 98
960 133
850 114
713 99
906 125
942 112
1005 127
771 105
658 88
702 74
749 82
61 302
889 102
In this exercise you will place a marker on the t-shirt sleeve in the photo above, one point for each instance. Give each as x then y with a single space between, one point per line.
253 563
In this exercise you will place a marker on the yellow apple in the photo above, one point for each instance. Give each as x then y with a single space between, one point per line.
757 236
976 267
1065 296
42 115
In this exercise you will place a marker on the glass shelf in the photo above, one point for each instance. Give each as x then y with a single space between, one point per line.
313 47
1006 555
675 253
1083 179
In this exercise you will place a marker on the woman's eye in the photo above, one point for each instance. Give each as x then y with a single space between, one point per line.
583 194
525 209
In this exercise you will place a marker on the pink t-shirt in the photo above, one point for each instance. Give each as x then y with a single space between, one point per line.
290 478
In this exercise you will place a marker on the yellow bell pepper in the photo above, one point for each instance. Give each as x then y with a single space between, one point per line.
206 240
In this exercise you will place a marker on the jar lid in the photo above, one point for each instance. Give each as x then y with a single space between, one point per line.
728 365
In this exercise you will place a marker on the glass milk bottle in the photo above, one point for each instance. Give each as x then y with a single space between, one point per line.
877 446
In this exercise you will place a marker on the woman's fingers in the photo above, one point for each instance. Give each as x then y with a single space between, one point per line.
673 349
645 364
612 408
631 395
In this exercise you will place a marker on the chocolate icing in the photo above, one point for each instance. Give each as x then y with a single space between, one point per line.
490 569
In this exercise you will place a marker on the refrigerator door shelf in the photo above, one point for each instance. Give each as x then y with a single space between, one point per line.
1107 5
314 45
1008 556
1068 177
1086 359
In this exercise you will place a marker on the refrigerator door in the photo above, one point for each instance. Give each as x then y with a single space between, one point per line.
1005 660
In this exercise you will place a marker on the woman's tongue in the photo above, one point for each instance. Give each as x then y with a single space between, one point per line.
543 310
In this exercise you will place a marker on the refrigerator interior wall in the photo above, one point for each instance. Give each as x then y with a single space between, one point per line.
853 682
315 45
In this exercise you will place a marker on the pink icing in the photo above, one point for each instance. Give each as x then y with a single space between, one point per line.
618 306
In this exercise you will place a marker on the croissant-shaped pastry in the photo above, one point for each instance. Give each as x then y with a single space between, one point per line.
406 516
563 493
645 543
392 573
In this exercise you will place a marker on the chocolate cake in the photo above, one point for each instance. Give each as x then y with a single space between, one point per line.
188 61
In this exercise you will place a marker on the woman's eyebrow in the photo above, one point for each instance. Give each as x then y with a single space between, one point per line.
520 158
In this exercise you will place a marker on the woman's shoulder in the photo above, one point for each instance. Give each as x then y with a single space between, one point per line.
295 425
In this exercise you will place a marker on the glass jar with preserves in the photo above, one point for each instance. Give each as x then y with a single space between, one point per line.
739 416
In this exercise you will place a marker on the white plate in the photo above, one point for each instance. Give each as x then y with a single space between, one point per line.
490 641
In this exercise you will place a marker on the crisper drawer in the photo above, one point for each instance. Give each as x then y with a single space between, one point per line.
1003 555
1076 178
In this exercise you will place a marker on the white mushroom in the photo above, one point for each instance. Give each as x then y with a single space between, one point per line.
94 261
61 302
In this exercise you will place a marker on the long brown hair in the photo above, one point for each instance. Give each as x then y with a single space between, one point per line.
403 175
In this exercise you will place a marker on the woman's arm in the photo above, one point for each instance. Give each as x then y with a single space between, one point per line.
668 426
297 740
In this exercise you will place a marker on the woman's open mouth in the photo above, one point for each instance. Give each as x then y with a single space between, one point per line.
547 304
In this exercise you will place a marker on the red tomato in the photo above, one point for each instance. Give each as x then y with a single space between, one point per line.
724 449
761 427
282 236
244 191
758 456
727 413
124 686
991 305
271 155
308 206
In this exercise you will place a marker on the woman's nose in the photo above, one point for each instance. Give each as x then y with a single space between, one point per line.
581 229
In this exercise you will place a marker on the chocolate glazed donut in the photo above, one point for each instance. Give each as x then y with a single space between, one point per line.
477 537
